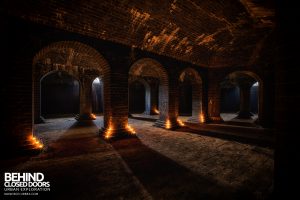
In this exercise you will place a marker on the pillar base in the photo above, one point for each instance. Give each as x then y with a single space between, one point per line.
244 115
170 125
39 120
21 147
84 117
30 149
217 119
150 113
198 120
116 134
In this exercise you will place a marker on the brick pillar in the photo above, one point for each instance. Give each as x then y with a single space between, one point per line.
266 102
16 97
286 103
214 98
130 99
147 100
117 123
85 111
151 97
37 100
244 112
198 111
168 104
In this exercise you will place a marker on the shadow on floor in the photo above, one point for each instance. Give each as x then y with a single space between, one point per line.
165 179
73 143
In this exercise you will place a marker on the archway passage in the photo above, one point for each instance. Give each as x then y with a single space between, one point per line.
82 62
185 98
191 96
157 78
241 97
138 97
59 95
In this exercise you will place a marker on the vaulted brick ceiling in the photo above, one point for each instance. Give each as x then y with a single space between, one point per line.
210 33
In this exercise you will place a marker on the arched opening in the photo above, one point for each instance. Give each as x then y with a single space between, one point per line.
185 98
84 64
59 95
157 78
137 97
97 96
191 97
241 98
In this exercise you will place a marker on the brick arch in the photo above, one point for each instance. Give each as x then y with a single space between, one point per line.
245 72
255 76
134 79
191 75
72 53
152 68
56 71
78 60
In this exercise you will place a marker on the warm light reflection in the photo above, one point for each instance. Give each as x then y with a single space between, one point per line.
180 122
93 116
108 133
202 118
130 129
168 124
35 142
156 111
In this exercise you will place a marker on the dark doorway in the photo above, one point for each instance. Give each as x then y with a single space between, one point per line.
136 97
59 95
185 99
240 97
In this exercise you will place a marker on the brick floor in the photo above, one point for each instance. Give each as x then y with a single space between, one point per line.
158 164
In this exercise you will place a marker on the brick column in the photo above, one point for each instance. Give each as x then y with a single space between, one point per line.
204 102
37 99
117 123
147 100
130 99
266 102
286 103
198 111
168 104
85 111
16 99
214 97
151 97
245 89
